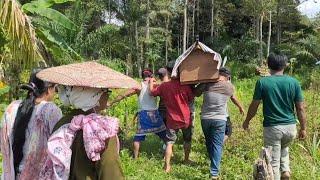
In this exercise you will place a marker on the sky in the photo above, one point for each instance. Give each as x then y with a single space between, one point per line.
310 8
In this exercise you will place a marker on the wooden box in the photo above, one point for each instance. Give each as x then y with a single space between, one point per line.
199 67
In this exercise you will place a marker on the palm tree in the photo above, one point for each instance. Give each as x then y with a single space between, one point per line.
23 45
28 44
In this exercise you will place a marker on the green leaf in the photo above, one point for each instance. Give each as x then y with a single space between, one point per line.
63 1
57 17
29 7
33 5
51 38
4 90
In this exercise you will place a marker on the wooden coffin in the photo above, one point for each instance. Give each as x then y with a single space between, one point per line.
198 67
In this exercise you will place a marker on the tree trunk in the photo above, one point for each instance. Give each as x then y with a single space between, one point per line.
146 65
193 20
270 31
139 59
198 19
185 26
257 28
261 39
188 32
212 20
167 39
129 71
179 39
278 24
109 7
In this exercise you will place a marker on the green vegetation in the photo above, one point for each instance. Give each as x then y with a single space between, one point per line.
129 35
240 151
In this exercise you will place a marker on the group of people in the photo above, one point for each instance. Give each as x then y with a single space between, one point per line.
176 113
281 96
39 142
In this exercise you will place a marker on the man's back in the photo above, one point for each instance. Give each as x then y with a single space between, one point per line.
176 98
279 94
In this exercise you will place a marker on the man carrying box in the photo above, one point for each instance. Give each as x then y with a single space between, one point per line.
176 98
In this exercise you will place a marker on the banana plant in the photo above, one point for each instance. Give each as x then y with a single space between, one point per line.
51 38
28 43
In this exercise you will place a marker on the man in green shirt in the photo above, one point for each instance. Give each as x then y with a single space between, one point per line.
280 95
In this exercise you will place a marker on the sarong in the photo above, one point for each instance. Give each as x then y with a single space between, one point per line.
149 122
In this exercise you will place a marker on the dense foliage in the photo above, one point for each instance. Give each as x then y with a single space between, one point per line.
129 35
136 34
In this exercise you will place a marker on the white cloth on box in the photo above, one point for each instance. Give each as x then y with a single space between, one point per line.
183 56
80 97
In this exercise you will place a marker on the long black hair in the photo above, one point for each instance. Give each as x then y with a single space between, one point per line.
35 88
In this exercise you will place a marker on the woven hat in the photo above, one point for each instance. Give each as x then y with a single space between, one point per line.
88 74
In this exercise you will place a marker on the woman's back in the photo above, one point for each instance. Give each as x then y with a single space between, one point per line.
44 116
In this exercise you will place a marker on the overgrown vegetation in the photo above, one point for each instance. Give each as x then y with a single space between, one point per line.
129 35
240 151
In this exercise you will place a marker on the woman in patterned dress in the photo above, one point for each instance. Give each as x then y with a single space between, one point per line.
25 129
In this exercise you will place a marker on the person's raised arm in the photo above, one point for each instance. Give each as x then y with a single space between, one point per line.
199 90
253 108
154 90
236 102
125 95
300 108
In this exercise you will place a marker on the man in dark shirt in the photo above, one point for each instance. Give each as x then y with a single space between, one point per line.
280 95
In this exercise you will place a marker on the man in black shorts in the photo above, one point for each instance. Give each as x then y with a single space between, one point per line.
225 72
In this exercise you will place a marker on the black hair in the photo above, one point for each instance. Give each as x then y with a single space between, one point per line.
35 88
170 66
277 62
225 71
147 73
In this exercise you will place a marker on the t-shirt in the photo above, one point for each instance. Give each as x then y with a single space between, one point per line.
279 94
176 98
215 98
146 101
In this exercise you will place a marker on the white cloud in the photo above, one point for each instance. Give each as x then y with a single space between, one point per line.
310 8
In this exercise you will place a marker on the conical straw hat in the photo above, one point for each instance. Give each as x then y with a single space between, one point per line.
88 74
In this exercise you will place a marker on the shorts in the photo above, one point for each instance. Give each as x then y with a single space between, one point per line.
228 131
171 135
163 115
162 135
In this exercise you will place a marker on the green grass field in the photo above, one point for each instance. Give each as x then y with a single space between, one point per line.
240 151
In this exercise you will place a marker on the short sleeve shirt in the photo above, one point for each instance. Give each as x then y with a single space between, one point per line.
176 98
215 98
279 94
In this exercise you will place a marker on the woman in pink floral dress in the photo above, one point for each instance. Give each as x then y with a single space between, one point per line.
25 129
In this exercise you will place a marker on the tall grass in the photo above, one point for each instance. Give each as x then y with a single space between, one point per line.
240 151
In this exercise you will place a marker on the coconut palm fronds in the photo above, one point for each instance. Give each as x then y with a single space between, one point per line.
23 42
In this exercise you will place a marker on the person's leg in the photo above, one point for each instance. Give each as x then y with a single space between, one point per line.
272 138
289 133
218 131
171 137
162 135
136 145
205 124
167 157
187 138
228 130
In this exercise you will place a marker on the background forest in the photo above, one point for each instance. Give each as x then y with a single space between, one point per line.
130 35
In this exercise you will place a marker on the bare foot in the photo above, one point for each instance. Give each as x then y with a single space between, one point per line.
167 168
285 175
